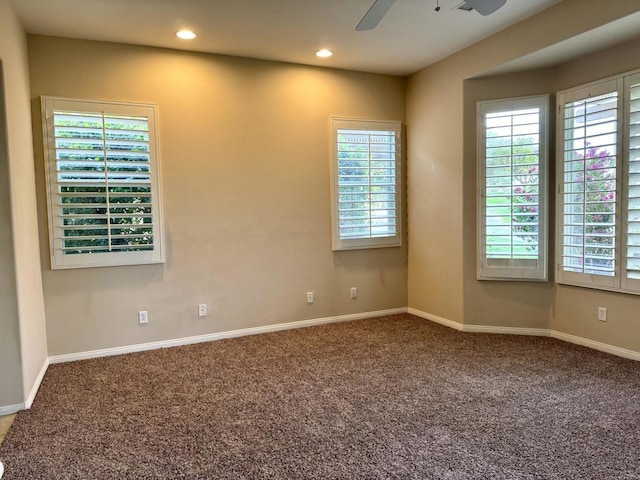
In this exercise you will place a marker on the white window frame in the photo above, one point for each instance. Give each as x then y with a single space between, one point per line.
512 267
620 281
370 241
60 260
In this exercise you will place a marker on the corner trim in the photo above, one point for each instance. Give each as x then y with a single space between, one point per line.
106 352
36 384
11 409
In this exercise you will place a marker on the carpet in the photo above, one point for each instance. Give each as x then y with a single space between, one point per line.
394 397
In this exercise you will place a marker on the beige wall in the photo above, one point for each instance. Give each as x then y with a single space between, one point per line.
434 189
10 365
19 153
442 174
244 150
494 302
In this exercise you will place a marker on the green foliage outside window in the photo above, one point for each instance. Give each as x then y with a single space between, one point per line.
100 211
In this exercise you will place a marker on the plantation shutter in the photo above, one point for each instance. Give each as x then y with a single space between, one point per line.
366 184
599 185
102 183
632 238
589 152
512 151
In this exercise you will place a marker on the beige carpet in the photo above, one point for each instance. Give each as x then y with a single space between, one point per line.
388 398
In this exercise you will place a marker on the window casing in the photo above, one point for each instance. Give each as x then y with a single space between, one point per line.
103 186
366 184
599 185
512 189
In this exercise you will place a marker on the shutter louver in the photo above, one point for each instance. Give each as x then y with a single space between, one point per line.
512 189
590 163
366 184
104 180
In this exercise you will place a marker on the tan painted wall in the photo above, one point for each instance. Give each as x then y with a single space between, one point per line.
441 185
434 189
245 175
28 281
494 302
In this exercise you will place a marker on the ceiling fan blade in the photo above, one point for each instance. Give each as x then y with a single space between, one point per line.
374 15
486 7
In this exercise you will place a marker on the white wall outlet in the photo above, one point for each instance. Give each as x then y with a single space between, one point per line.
602 314
143 317
354 292
309 297
202 310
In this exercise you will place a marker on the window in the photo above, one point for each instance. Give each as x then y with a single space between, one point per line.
599 185
366 192
512 186
102 183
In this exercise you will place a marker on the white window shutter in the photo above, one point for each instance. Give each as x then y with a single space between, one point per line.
102 183
588 204
512 189
366 187
631 239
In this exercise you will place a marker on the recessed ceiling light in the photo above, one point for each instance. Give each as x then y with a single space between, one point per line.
324 53
186 35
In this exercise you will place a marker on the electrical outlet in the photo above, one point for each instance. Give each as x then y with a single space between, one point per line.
602 314
309 297
354 292
202 310
143 317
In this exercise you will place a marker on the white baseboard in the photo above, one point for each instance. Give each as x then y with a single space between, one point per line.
463 327
36 384
11 409
603 347
621 352
71 357
539 332
434 318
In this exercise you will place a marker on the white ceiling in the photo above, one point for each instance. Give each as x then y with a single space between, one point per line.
410 37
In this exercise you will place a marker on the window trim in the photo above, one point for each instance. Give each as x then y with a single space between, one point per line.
375 242
57 258
619 283
539 273
563 97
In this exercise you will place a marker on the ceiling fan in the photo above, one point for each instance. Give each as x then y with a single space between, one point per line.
380 7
